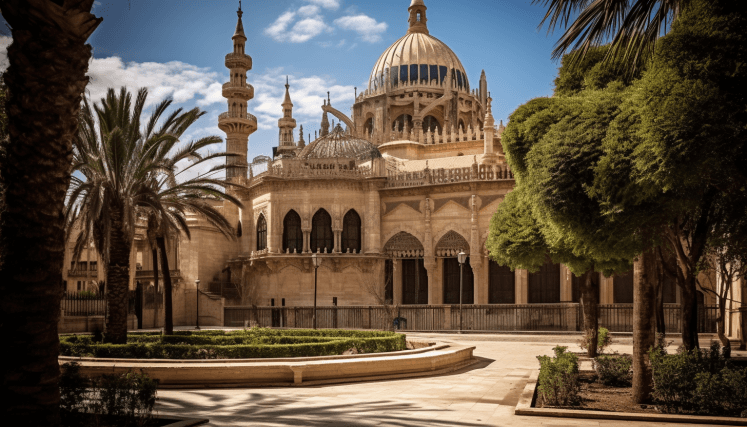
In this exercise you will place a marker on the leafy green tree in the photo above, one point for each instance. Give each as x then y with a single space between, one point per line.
127 168
45 80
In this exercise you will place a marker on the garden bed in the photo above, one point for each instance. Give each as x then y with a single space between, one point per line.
254 343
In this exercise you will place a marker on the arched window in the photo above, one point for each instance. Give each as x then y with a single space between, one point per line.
351 232
461 125
321 232
399 123
292 233
544 285
261 233
368 127
431 123
239 231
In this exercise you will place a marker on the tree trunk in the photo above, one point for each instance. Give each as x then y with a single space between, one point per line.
689 310
168 325
644 337
721 323
156 302
661 327
590 307
118 279
743 315
45 81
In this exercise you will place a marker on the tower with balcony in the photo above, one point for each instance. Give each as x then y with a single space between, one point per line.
237 123
286 125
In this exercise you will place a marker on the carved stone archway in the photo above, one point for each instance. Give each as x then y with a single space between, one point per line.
450 244
404 245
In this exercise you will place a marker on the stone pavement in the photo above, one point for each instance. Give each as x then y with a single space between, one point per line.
483 394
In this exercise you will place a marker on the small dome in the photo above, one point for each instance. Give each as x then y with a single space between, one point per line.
339 144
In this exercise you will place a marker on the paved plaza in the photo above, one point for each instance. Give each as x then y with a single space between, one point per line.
483 394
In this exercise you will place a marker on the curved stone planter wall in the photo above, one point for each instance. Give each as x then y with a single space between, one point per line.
432 360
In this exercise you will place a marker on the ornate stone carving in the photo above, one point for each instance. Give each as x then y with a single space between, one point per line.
404 245
450 245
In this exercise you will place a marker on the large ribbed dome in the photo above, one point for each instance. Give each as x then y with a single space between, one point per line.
339 144
418 57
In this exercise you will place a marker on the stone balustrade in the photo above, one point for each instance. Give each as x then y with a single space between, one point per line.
232 115
497 172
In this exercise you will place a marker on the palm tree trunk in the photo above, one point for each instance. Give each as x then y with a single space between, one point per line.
168 325
590 307
644 337
118 279
156 302
45 80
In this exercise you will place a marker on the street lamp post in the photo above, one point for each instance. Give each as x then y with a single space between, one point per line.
197 297
316 261
462 257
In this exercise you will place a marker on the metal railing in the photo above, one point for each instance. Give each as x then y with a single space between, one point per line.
509 317
75 304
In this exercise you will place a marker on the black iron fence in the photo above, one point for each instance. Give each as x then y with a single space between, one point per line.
90 304
513 317
83 304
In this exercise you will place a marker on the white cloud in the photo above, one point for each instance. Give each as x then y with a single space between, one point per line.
364 25
327 4
183 82
309 26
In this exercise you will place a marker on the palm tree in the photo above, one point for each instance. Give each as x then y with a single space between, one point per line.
171 201
46 78
119 161
633 26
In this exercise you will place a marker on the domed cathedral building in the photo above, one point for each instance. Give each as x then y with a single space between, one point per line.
385 198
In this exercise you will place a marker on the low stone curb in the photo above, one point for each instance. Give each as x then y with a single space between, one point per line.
528 396
434 360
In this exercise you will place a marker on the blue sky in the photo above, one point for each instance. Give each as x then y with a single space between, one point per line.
176 48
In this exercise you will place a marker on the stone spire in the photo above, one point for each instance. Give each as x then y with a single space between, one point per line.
287 123
301 142
483 90
489 130
237 123
418 20
325 124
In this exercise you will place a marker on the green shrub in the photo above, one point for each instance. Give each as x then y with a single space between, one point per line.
235 345
604 339
699 382
122 400
558 378
614 370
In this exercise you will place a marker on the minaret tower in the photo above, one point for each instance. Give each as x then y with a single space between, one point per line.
483 90
286 124
418 21
236 122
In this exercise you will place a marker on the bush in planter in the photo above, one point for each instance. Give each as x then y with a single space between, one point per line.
699 381
604 339
614 370
121 400
558 378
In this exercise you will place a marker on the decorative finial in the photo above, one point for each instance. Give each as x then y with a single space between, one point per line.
287 82
329 101
240 13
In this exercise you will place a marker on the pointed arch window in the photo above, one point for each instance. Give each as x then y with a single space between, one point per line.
292 233
239 231
351 232
261 233
321 232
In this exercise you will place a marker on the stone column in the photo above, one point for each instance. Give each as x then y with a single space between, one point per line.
606 295
566 284
481 284
306 241
372 226
397 280
522 286
337 241
431 265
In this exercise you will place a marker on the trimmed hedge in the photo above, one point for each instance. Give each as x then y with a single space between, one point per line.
257 343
